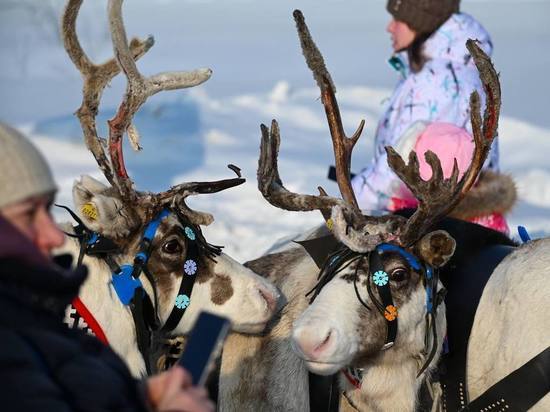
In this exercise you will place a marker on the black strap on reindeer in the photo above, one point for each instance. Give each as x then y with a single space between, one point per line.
520 390
465 283
386 307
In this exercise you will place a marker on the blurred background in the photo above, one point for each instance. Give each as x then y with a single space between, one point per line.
259 74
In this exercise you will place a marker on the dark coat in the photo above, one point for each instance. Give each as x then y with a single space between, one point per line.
44 366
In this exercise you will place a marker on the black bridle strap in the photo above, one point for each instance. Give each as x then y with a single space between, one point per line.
140 305
433 300
190 273
383 286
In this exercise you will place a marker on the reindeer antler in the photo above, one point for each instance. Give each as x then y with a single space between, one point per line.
342 145
96 78
270 183
438 196
138 90
372 230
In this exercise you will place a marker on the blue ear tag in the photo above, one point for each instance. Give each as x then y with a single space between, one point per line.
125 285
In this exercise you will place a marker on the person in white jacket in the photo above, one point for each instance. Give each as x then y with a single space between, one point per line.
437 76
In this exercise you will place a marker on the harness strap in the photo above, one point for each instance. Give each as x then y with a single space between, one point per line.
465 286
183 298
520 390
93 324
143 332
324 393
388 309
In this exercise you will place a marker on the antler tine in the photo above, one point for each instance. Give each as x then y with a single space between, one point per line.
438 196
194 188
96 78
343 146
272 187
482 137
138 89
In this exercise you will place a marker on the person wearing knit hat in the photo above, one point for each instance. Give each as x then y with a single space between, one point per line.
27 190
43 364
436 76
24 172
423 16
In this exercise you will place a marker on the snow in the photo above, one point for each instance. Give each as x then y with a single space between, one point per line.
259 75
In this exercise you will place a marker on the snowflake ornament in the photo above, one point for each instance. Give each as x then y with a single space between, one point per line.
380 278
190 267
189 233
182 301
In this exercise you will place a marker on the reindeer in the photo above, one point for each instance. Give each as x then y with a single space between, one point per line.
150 268
375 315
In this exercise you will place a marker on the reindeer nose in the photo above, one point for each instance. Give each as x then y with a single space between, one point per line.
313 343
270 296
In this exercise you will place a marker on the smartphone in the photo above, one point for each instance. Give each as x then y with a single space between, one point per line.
204 345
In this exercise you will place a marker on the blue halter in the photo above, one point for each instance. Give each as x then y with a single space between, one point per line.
126 280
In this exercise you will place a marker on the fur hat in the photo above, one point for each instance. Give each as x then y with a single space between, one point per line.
423 16
23 170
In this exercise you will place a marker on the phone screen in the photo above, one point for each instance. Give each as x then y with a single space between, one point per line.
204 344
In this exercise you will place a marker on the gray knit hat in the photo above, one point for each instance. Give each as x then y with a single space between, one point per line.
23 170
423 16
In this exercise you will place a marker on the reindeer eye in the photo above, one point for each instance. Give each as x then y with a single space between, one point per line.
399 275
171 247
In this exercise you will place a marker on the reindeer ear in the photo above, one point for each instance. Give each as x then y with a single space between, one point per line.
101 209
436 248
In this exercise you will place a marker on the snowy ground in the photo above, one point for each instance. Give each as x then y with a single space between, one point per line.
259 75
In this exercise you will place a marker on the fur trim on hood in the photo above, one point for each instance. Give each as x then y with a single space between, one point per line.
493 193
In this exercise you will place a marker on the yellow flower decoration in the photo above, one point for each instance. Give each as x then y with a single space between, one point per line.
390 313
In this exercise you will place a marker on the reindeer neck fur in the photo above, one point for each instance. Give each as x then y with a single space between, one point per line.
262 372
102 301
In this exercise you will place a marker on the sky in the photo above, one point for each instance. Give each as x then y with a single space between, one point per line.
259 74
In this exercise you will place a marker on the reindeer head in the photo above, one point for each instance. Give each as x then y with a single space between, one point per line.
386 269
154 239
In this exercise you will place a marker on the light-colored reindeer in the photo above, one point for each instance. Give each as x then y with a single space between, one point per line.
350 326
128 238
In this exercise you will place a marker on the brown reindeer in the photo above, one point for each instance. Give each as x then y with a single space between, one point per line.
375 306
150 268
